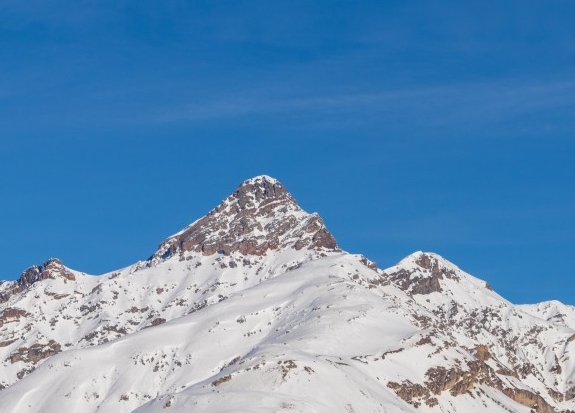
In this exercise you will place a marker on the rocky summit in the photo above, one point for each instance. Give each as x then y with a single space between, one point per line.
253 307
259 216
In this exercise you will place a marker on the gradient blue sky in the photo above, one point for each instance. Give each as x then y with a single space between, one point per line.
438 126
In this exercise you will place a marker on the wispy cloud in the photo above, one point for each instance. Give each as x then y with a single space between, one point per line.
472 104
456 108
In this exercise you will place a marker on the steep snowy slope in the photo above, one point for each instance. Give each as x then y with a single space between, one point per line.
254 308
554 311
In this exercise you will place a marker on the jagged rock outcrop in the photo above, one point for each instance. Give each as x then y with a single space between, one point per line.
9 315
258 216
459 381
36 352
52 268
423 277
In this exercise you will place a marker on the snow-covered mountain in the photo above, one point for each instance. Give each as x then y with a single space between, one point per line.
255 308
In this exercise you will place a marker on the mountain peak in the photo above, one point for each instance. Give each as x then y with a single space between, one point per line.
260 215
260 179
260 191
51 268
429 261
421 272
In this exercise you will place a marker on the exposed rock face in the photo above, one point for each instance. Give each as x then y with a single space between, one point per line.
10 315
50 269
53 268
424 277
36 352
482 352
259 216
458 381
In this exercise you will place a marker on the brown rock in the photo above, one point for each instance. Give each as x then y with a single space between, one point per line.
53 268
482 352
11 314
259 216
36 352
424 281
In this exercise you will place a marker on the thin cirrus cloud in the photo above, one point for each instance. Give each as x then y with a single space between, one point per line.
512 107
458 104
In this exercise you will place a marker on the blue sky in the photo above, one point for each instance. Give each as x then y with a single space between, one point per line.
436 126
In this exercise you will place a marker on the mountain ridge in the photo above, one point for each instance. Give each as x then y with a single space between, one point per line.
254 306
